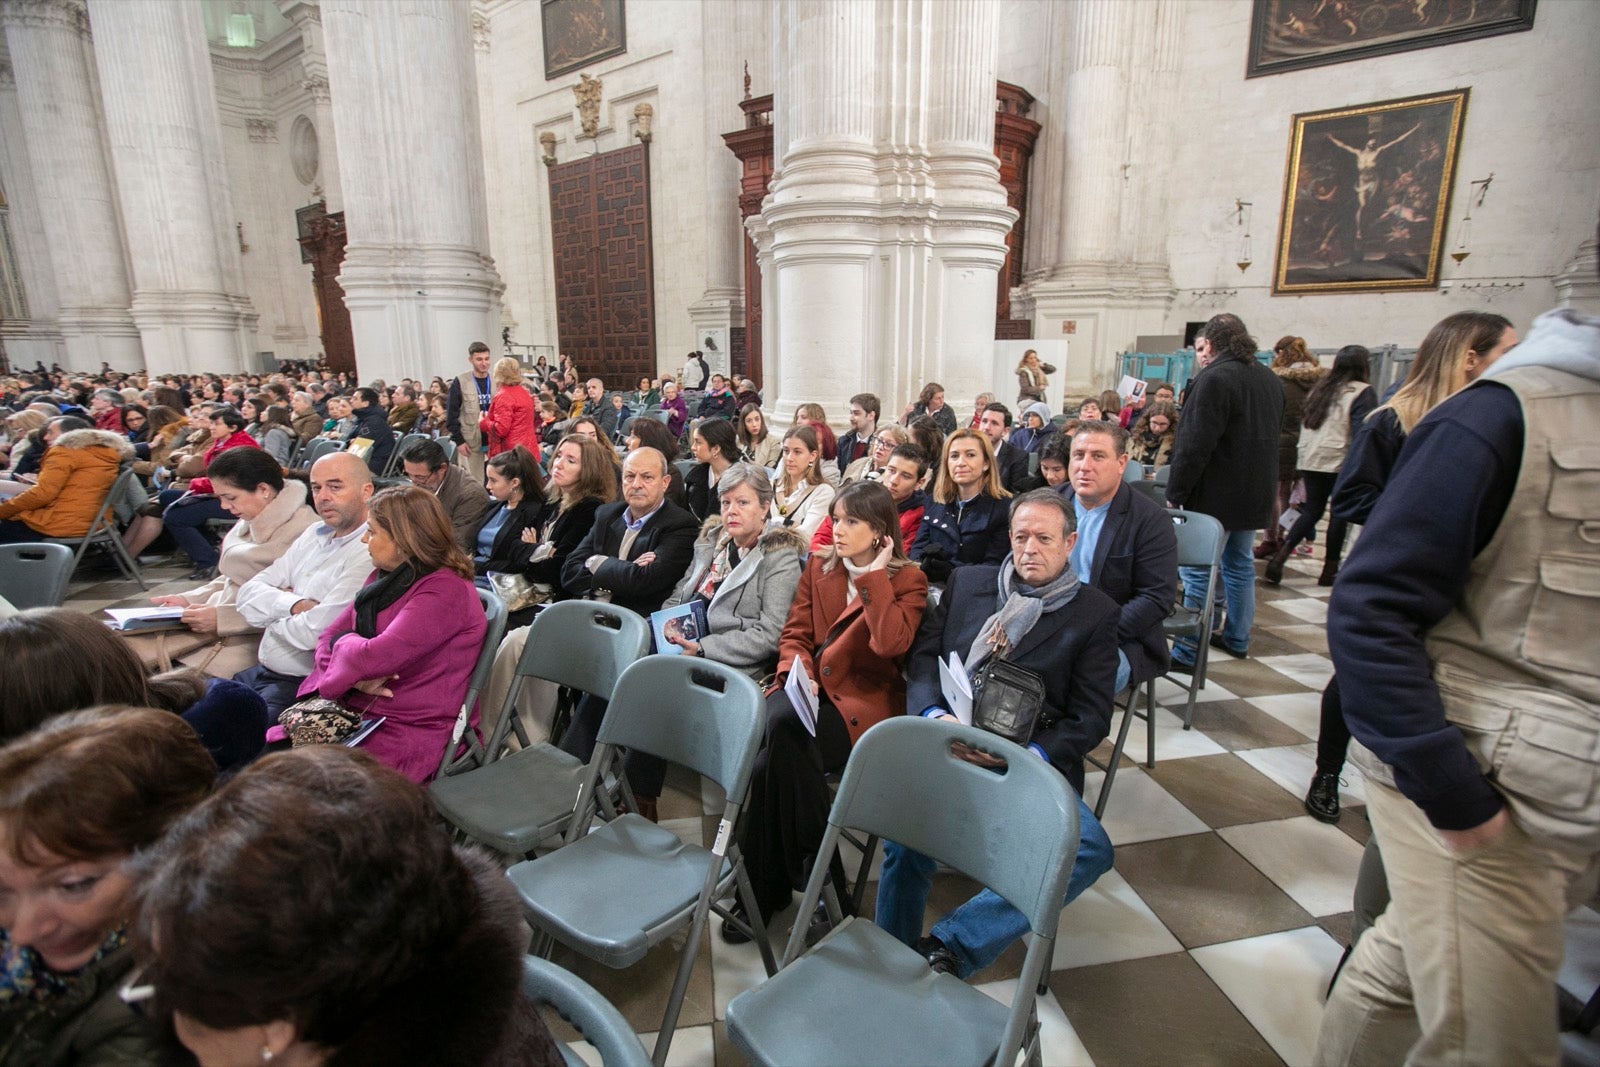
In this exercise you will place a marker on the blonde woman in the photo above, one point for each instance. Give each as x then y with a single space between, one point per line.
968 518
1031 377
510 420
803 496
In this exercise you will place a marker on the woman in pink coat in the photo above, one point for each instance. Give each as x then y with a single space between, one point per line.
511 419
407 645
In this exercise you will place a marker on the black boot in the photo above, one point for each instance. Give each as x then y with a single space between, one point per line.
1330 571
1322 801
1274 573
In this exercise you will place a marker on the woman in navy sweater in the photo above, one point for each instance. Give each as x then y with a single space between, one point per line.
968 516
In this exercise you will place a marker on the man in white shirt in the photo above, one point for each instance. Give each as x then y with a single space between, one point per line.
295 598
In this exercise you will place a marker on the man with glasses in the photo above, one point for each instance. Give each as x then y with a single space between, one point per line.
463 499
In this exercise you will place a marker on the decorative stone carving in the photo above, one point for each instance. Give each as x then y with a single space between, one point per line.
261 130
317 86
70 14
587 92
644 116
480 31
304 150
547 141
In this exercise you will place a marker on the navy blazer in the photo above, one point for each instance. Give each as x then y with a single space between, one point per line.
1073 649
669 533
1013 464
976 533
1136 565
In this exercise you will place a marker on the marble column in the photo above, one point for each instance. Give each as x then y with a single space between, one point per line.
29 325
720 306
417 275
886 221
48 42
1099 276
161 114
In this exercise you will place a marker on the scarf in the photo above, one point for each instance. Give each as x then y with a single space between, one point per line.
24 977
853 573
1021 608
381 594
724 558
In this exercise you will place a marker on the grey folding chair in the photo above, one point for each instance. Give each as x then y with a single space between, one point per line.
103 531
616 892
318 448
516 801
1200 539
449 447
1133 472
34 575
580 1004
860 996
1155 491
397 456
684 466
1163 473
454 760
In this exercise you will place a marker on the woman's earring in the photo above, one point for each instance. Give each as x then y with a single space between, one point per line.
877 542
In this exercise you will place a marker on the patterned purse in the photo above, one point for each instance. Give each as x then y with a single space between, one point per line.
317 721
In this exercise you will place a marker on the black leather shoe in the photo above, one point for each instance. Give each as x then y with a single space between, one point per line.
940 958
731 934
1217 642
1322 801
202 574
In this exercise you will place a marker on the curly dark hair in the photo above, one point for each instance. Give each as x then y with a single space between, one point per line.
1229 337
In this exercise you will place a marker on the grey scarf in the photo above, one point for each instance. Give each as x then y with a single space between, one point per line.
1021 608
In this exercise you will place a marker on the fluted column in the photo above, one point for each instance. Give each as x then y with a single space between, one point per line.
417 275
720 306
61 119
161 114
34 335
886 222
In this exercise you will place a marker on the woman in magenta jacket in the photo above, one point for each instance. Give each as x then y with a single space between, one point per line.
511 419
407 645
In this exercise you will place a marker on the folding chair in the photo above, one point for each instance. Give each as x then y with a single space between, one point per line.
1200 539
398 455
1153 490
613 894
318 448
860 996
34 575
103 531
1133 472
684 466
514 802
1163 473
1127 702
454 760
449 447
580 1004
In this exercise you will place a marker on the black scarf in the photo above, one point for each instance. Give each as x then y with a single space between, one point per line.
380 594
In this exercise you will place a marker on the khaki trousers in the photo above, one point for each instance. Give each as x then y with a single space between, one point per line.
1461 968
536 701
471 460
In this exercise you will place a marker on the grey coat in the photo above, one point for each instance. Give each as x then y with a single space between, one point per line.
747 614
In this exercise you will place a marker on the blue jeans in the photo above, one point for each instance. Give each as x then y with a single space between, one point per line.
982 928
184 521
1239 592
1124 672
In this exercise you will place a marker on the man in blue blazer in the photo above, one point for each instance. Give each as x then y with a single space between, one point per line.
1070 641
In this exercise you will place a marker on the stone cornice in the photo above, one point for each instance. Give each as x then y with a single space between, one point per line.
60 14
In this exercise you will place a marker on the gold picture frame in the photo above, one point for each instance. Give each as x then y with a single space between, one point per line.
1366 195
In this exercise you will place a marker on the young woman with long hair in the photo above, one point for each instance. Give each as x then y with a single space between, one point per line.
967 519
803 496
1153 434
715 446
757 443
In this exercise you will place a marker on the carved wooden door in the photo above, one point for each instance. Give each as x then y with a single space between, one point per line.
322 241
605 293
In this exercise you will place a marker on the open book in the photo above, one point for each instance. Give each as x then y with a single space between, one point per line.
687 622
139 620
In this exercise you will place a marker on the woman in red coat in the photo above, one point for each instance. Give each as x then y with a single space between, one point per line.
853 620
511 419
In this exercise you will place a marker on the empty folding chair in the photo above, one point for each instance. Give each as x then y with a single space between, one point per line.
103 531
1155 491
1200 539
613 894
397 457
860 996
34 575
1133 472
454 760
514 802
580 1004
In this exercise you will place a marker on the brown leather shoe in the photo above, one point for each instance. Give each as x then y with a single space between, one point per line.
647 806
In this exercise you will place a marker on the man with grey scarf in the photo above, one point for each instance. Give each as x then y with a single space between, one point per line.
1031 610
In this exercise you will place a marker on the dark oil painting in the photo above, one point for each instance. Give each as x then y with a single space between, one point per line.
1292 34
580 32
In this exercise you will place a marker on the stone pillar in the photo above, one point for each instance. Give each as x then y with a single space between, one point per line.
31 330
720 306
1577 286
161 114
886 222
61 120
417 275
1099 277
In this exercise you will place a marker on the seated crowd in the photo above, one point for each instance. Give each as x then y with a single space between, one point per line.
868 559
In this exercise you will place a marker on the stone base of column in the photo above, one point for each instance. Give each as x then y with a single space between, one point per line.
1577 286
195 333
92 336
717 309
414 311
1104 307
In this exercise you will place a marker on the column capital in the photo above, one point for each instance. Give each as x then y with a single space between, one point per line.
480 30
61 14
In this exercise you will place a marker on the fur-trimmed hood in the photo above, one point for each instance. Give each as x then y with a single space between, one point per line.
1303 373
90 438
773 539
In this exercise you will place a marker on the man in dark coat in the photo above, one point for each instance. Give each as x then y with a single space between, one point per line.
1072 647
1225 464
636 553
994 422
371 423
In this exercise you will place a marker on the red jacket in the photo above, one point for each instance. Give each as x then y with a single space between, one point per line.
511 420
237 439
910 519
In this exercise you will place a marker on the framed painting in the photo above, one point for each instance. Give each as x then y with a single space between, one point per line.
1367 194
1293 34
580 32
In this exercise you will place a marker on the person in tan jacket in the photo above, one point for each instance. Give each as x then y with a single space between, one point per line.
79 468
273 511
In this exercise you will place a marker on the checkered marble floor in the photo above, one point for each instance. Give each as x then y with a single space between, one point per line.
1213 938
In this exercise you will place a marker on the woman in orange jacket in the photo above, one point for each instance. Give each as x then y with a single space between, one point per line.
78 470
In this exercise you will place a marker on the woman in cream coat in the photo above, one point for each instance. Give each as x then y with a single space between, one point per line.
272 512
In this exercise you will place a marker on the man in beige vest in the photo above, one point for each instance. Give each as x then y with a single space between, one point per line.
468 399
1462 629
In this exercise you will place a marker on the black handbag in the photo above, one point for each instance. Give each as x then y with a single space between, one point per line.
1007 700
